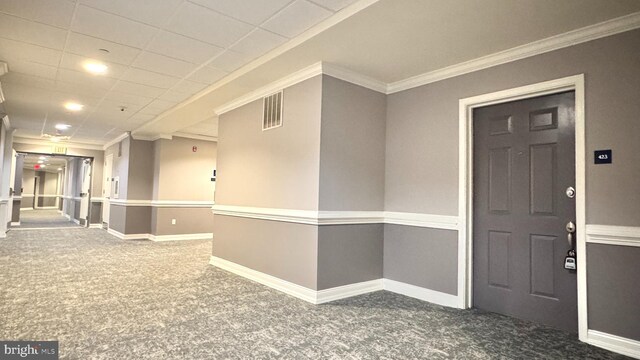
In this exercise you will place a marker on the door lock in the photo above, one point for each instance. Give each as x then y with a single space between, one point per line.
571 192
571 229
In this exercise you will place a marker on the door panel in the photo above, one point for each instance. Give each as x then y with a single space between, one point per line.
524 159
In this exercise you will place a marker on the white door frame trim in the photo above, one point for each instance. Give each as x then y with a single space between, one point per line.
465 195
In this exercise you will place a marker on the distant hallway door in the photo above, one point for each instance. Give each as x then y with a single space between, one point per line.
523 169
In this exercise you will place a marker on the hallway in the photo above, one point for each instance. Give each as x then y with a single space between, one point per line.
106 298
37 219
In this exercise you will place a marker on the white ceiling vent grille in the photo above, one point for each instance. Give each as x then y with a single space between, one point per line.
272 111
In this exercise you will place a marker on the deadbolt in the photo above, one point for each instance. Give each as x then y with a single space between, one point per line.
571 192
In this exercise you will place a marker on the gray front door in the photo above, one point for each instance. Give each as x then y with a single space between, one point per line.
524 160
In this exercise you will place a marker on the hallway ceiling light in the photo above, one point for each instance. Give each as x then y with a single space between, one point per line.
40 162
43 166
72 106
42 158
59 169
62 126
96 68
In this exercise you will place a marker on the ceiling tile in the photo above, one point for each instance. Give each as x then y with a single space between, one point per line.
90 21
162 64
86 88
189 87
35 69
296 18
128 99
75 62
31 32
15 51
182 47
89 46
27 80
152 12
334 5
252 11
149 78
52 12
208 26
230 60
207 75
258 42
157 107
83 78
138 89
175 96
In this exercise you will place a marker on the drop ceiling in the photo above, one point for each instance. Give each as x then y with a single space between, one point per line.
172 62
159 53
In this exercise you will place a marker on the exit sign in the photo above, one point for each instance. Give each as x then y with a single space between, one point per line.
57 149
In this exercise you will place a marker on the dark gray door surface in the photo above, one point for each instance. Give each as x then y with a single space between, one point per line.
524 160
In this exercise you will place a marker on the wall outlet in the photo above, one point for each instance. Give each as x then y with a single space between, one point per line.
173 221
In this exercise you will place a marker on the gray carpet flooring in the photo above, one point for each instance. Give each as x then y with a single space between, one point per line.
105 298
38 218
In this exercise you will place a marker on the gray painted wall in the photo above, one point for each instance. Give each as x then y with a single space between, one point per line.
422 257
118 218
613 291
422 156
284 250
277 168
188 220
140 175
422 128
175 159
352 147
349 254
95 215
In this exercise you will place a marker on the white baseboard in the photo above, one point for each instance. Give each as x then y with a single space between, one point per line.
95 226
120 235
76 221
15 223
340 292
614 343
346 291
67 216
421 293
202 236
47 208
26 209
286 287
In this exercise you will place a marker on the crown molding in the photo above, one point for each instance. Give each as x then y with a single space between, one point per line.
354 77
319 68
574 37
285 82
115 141
68 144
146 137
196 136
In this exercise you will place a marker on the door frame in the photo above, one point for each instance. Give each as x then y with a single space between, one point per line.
465 196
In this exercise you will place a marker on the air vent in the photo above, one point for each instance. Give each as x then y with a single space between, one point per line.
272 111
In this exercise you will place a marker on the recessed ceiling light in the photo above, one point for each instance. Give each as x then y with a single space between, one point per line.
72 106
96 68
59 169
62 126
42 158
40 162
41 166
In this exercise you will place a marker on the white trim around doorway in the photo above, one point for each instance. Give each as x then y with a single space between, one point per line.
465 196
